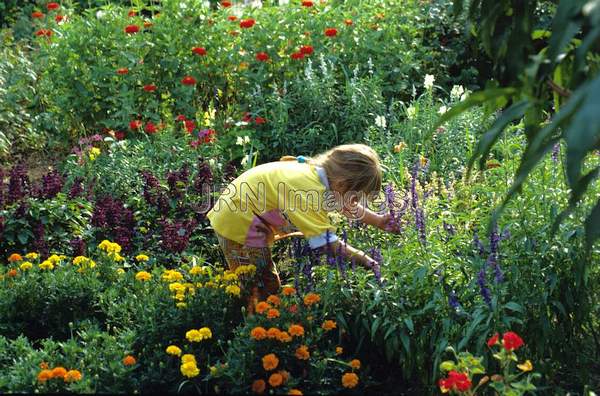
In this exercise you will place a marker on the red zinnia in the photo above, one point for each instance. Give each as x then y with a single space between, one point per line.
456 381
247 23
494 340
226 4
44 32
188 80
150 88
247 117
511 341
232 18
307 3
297 55
331 32
348 22
52 6
306 49
59 18
131 13
190 125
199 51
135 124
130 29
259 120
122 71
262 57
120 135
181 117
150 127
37 14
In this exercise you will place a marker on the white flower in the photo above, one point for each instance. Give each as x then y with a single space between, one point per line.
239 141
212 162
442 110
244 160
380 121
428 83
457 92
411 112
246 139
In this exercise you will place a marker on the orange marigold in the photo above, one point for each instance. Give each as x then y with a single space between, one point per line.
258 333
259 386
272 313
339 350
275 380
15 257
296 330
283 336
129 360
311 299
302 352
288 291
349 380
72 376
273 332
273 299
295 392
11 273
355 364
59 372
328 325
270 362
44 375
262 307
44 365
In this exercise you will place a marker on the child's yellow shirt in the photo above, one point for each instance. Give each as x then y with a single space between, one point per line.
276 197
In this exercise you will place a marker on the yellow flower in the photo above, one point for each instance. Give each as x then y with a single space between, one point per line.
187 358
349 380
230 277
249 269
54 258
339 350
174 350
181 305
195 270
47 264
172 276
234 290
142 257
32 256
399 147
94 152
205 333
177 287
143 276
525 366
423 161
117 257
120 271
25 266
84 262
189 369
213 371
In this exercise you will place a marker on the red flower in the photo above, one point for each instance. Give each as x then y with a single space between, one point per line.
232 18
131 29
260 120
331 32
206 135
120 135
44 32
190 125
494 340
348 22
306 49
188 80
122 71
247 117
59 18
511 341
297 55
53 6
150 127
37 14
262 57
135 124
181 117
307 3
150 88
132 13
293 308
199 51
247 23
456 381
225 4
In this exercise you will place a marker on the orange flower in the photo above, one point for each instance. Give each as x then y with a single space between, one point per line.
339 350
129 360
44 375
59 372
44 366
275 380
302 352
273 332
328 325
11 273
355 364
296 392
72 376
272 313
283 336
15 257
349 380
284 375
258 333
262 307
296 330
311 299
288 291
259 386
270 362
293 308
273 299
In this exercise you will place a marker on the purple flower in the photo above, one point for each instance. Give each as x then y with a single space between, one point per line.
78 246
376 255
418 211
453 301
39 240
76 189
52 184
478 245
18 183
555 152
483 288
204 177
176 235
114 221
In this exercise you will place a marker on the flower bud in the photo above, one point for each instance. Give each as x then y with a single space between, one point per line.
497 378
484 380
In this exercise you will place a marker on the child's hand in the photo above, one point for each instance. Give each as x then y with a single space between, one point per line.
387 223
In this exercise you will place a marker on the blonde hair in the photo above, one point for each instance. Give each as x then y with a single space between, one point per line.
351 167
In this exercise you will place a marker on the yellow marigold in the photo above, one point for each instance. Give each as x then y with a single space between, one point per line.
176 287
270 362
142 257
283 336
311 299
339 350
525 366
275 380
273 299
172 276
272 313
15 257
46 265
273 332
288 291
355 364
189 369
195 270
79 259
295 392
129 360
193 335
230 277
25 266
32 256
302 352
117 257
181 305
349 380
328 325
120 271
258 333
249 269
259 386
54 258
296 330
205 333
44 375
59 372
399 147
174 350
262 307
188 357
73 375
143 276
94 153
234 290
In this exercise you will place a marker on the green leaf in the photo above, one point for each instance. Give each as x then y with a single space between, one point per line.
513 306
592 228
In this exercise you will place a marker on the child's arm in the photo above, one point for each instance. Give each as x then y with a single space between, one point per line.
353 254
367 216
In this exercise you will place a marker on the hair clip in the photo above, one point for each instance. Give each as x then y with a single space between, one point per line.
301 159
